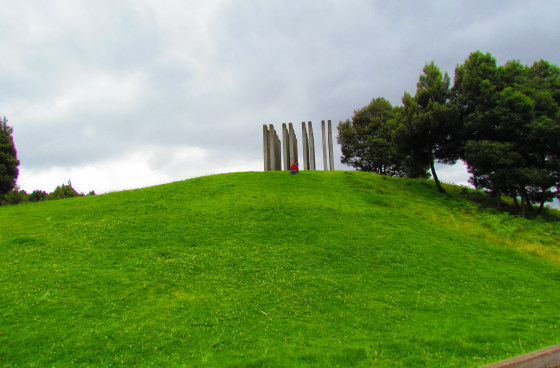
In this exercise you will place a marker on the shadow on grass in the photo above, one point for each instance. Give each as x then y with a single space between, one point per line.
486 200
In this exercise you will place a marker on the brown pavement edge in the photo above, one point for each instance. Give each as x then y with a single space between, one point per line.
544 358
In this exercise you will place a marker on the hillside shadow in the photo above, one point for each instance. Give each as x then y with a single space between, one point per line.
481 199
485 200
383 190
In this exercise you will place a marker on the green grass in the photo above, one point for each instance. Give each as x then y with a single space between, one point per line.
320 269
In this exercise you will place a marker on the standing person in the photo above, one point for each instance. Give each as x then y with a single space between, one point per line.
294 169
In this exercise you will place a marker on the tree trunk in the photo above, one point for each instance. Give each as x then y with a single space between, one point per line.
530 211
526 207
541 206
542 202
499 199
438 184
515 202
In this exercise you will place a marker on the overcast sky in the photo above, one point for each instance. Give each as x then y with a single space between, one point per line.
117 94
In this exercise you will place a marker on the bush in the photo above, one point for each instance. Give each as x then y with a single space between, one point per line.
64 191
15 196
38 195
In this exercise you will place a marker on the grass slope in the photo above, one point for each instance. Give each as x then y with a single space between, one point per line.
273 270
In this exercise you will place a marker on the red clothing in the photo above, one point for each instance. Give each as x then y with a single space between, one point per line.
294 167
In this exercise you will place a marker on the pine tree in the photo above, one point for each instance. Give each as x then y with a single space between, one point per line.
8 158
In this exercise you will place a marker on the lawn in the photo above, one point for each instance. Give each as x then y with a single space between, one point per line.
267 269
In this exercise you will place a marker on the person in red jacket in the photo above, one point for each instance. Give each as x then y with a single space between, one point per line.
294 169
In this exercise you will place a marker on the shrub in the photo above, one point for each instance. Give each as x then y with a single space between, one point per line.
15 196
38 195
64 191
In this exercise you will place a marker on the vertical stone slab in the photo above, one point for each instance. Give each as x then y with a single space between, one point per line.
331 154
293 144
286 143
324 145
266 148
311 148
278 153
296 155
271 146
305 142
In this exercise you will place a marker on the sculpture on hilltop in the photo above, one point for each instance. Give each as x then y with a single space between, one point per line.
278 155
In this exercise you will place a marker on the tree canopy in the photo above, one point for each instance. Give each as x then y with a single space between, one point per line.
426 124
366 140
8 158
511 127
502 121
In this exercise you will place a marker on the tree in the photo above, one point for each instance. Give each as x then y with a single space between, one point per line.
38 195
414 158
511 127
15 196
64 191
427 123
542 137
366 140
8 158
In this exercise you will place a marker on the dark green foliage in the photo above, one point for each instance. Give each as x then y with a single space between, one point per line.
543 136
14 196
415 159
503 122
38 195
511 127
17 196
427 124
366 140
473 90
64 191
8 158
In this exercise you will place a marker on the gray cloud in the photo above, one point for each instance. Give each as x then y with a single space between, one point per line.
92 85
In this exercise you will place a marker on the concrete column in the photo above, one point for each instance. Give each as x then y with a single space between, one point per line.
304 141
272 146
324 145
311 148
266 148
278 153
293 144
286 142
331 154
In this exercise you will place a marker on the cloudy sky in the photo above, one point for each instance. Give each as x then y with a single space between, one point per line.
119 94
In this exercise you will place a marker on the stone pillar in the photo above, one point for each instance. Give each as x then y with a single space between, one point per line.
305 141
266 148
293 144
311 148
324 145
278 154
272 147
286 142
331 154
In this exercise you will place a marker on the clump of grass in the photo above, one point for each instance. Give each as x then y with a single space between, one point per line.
270 269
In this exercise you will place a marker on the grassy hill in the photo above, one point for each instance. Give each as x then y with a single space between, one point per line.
272 270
